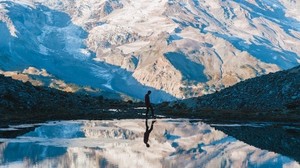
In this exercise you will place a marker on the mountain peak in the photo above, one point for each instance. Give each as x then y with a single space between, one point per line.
176 48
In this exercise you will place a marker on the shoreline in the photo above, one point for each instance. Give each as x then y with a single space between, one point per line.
274 136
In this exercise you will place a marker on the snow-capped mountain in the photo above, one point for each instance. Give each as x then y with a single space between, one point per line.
181 48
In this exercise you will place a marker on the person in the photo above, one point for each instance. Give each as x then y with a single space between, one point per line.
148 104
147 132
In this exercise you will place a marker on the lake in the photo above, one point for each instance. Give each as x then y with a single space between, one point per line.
132 143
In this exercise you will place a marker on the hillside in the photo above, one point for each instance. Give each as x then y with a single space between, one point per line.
41 77
275 91
24 103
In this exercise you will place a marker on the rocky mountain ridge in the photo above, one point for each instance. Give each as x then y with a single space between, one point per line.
275 91
179 48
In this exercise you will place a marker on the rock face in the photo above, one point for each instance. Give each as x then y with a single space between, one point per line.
185 48
280 90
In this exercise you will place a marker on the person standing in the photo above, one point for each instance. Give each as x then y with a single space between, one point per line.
148 104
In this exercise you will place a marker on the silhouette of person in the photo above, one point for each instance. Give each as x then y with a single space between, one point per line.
147 132
148 104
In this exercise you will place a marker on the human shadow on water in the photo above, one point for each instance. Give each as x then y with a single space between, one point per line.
148 131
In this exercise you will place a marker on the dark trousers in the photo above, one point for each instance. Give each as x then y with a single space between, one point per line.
151 108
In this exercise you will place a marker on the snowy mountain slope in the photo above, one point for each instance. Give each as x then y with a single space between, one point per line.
184 48
57 45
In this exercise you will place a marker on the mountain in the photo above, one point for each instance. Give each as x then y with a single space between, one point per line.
178 48
275 91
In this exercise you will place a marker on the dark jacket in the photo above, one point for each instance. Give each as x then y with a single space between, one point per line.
147 100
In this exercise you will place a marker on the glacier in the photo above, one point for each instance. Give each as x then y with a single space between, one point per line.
124 46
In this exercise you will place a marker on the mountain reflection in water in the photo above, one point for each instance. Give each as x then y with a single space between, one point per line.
121 143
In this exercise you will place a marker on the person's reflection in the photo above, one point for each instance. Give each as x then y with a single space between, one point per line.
147 132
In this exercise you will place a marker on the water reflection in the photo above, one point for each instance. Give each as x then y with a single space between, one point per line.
31 146
147 132
30 151
121 143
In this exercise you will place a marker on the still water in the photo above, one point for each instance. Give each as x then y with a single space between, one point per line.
133 143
